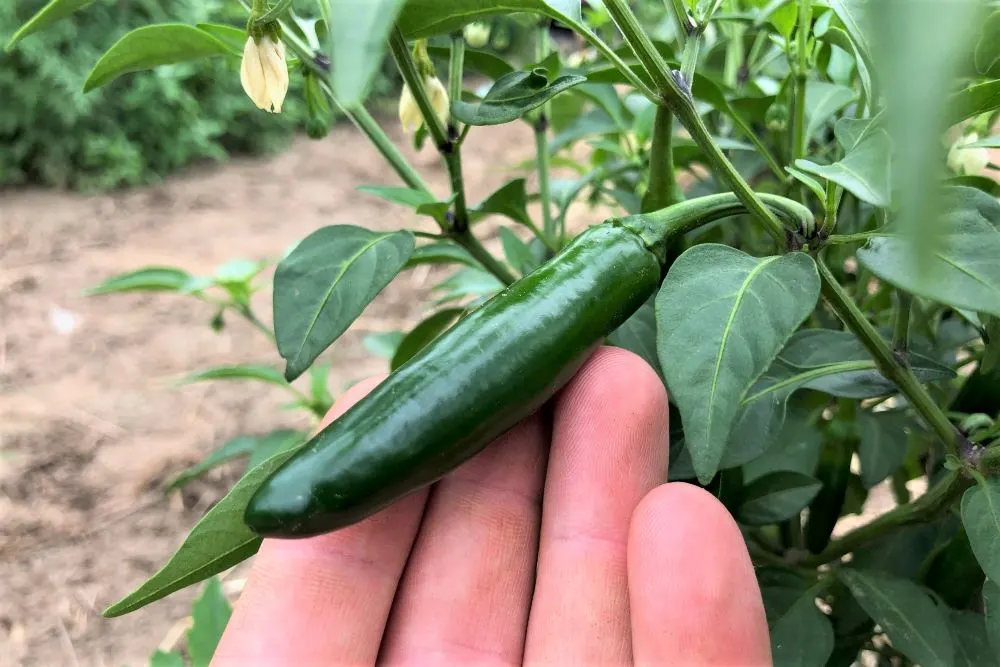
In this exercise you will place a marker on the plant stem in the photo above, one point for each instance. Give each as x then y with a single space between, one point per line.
449 149
901 325
662 189
799 140
830 219
888 363
551 228
937 499
685 27
456 63
681 103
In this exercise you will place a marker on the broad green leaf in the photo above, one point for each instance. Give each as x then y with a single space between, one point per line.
605 96
152 46
512 96
638 334
883 444
424 334
795 447
972 645
437 210
217 542
776 497
55 10
258 448
839 38
984 183
484 62
963 260
802 637
149 279
991 607
972 101
425 18
988 46
851 14
441 252
326 282
383 344
404 196
516 251
722 316
850 131
981 517
209 616
510 200
358 32
916 627
864 171
823 100
163 659
233 37
257 372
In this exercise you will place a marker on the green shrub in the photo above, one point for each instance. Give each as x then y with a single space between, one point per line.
135 130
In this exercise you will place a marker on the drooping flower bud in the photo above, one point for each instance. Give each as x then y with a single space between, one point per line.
320 113
264 72
477 34
409 113
967 160
776 117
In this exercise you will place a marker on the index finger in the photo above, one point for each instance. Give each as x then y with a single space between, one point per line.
323 600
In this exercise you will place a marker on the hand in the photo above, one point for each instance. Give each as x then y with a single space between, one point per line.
545 550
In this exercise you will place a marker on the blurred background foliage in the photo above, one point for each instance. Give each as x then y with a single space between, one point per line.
141 127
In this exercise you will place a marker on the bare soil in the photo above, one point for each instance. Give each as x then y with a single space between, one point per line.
91 420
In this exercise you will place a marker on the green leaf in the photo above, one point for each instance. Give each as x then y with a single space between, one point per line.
988 46
424 334
257 372
962 270
425 18
796 447
803 636
484 62
383 344
404 196
823 100
972 645
209 616
258 448
864 171
917 628
217 542
815 186
152 46
55 10
862 61
148 279
162 659
512 96
516 251
776 497
722 316
883 444
326 282
981 517
442 252
510 200
358 32
638 334
991 607
850 131
469 282
234 38
972 101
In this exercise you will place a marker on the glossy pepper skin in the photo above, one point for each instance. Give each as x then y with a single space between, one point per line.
479 379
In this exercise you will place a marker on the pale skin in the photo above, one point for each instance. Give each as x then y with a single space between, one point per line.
548 548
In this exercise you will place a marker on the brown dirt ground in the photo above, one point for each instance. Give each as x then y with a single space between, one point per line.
90 422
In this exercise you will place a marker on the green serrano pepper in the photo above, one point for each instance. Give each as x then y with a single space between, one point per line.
481 377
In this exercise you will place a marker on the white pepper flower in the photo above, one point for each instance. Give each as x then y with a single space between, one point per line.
477 34
967 160
409 112
264 72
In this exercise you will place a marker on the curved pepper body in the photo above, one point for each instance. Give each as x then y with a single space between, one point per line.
479 379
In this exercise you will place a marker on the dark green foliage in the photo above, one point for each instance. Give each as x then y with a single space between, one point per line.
136 129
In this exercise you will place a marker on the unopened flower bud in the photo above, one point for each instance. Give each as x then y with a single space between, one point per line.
776 117
409 112
264 72
477 34
967 160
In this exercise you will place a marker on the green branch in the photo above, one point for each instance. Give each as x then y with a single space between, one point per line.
662 190
887 362
551 228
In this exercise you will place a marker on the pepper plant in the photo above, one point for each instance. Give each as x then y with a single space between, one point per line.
809 180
